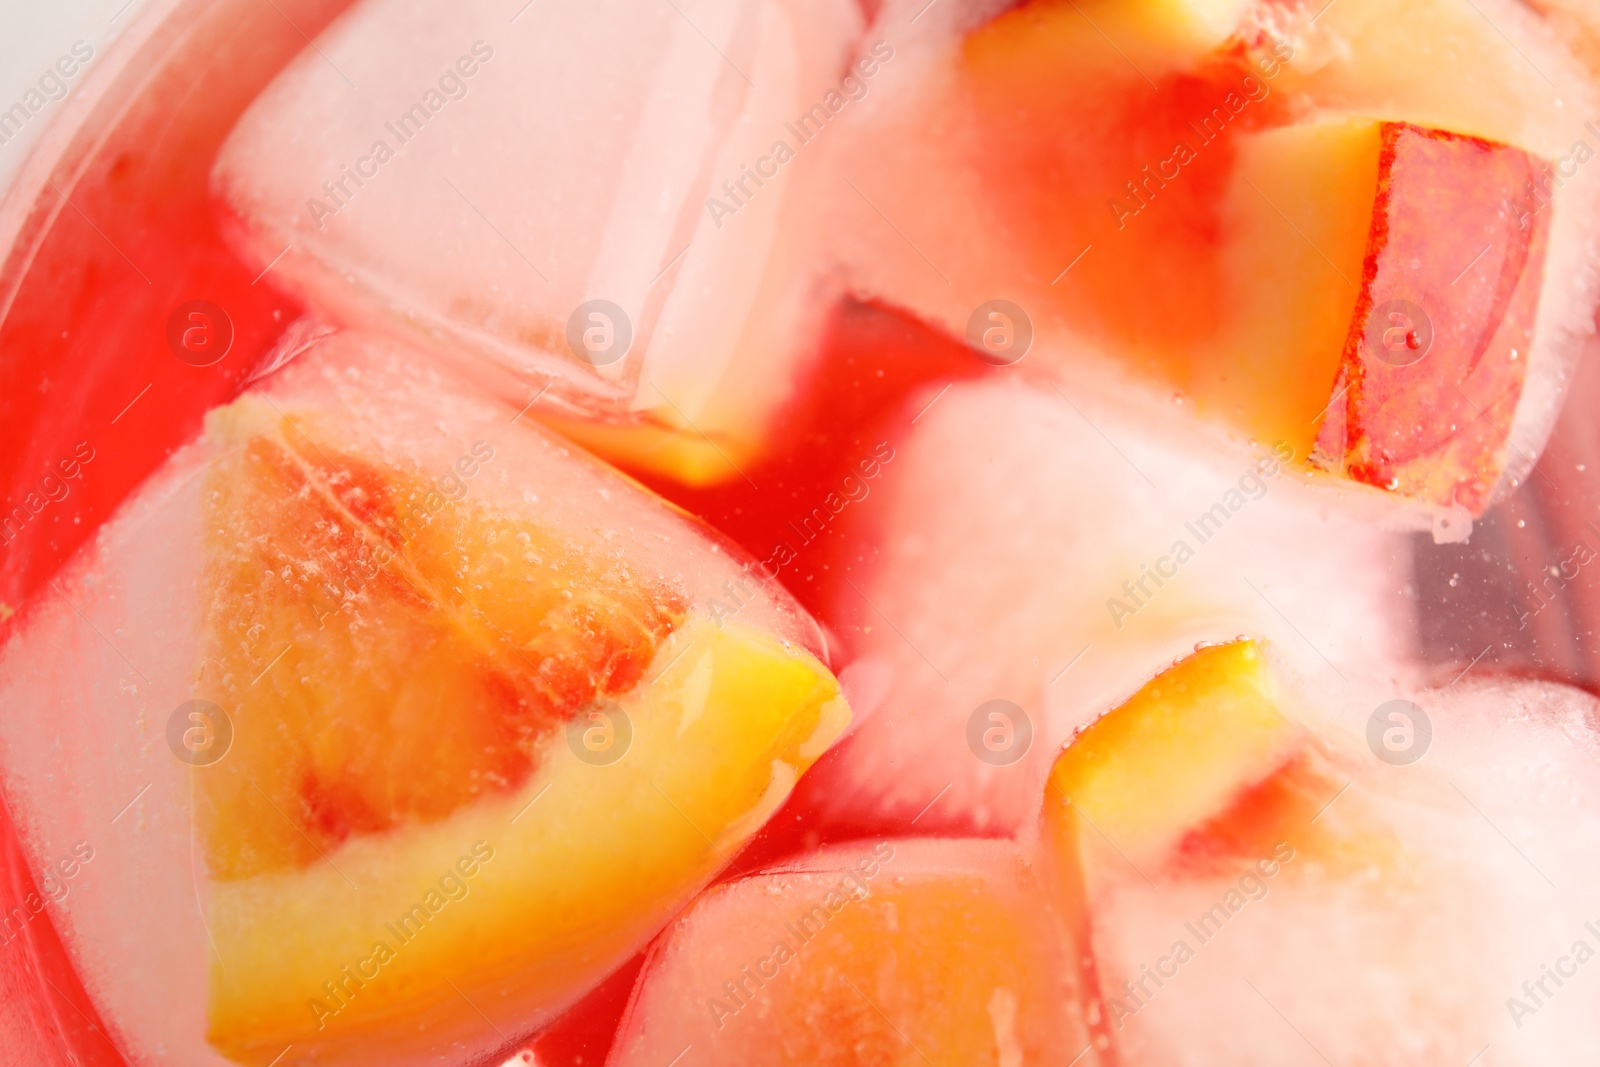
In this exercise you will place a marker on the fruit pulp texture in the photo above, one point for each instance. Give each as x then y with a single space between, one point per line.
903 952
1197 769
398 667
429 649
1139 177
1257 267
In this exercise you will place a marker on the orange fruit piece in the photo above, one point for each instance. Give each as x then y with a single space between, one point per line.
1179 753
476 761
906 952
1358 289
1244 208
421 650
1202 769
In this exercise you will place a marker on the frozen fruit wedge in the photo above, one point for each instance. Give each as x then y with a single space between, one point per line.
1234 226
1423 329
896 952
1207 733
1041 548
423 727
602 856
629 250
1203 768
1239 868
389 614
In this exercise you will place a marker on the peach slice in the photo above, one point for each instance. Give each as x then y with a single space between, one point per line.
426 724
1199 771
1196 776
1276 862
1324 233
1436 357
905 952
537 897
1180 753
1345 271
442 670
1225 222
385 614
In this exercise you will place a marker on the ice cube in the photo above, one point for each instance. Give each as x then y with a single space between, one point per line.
1037 551
1435 910
379 701
889 951
1111 197
589 198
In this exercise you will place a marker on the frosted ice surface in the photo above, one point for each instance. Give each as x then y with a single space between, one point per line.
926 229
475 173
872 951
1056 554
1464 876
94 671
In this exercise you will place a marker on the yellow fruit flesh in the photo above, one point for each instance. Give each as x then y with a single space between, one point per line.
387 654
415 681
1176 30
696 460
1298 213
1446 64
1180 751
595 859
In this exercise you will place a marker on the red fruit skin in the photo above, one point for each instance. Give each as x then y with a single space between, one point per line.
1451 234
106 229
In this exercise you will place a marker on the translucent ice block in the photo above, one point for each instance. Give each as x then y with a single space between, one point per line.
384 723
1400 879
1413 303
892 951
1037 549
596 199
